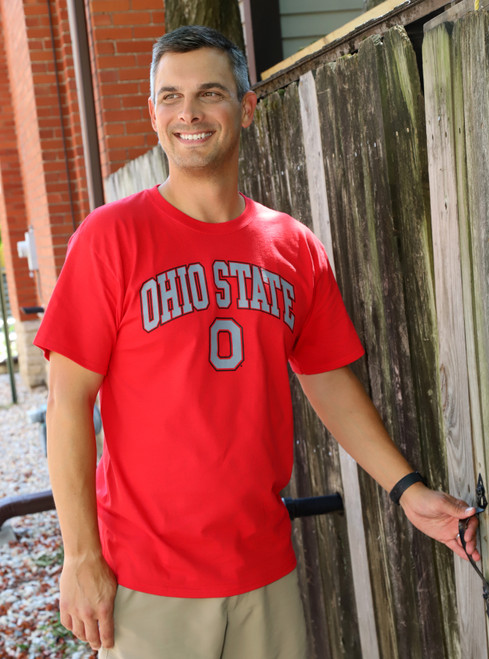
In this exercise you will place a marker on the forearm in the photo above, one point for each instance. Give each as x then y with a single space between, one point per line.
72 453
345 409
72 463
87 584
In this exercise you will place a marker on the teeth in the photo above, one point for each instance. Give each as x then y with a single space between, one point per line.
194 136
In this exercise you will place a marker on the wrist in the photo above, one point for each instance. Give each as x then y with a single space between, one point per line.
403 484
80 554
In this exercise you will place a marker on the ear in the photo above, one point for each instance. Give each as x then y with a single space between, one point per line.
152 114
248 105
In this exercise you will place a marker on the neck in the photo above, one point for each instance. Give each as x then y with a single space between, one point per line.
205 198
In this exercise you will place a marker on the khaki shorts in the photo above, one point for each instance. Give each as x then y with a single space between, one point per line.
267 623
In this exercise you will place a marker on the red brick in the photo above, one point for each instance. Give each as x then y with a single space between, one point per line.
135 101
132 114
111 103
97 6
102 33
135 73
126 89
147 4
35 8
158 18
104 47
140 46
148 31
111 75
116 61
130 18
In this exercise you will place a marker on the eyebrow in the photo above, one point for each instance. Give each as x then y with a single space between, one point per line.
203 87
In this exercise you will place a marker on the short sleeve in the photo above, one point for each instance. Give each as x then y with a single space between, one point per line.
81 319
327 339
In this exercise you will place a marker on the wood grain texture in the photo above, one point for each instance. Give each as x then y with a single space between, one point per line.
273 170
375 159
349 472
445 208
470 51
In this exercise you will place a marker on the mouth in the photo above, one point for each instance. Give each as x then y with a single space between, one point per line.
193 137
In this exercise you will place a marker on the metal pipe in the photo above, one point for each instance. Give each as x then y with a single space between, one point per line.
86 101
25 504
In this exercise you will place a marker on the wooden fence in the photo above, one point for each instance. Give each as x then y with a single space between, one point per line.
395 184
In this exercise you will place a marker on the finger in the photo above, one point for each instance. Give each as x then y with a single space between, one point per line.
457 549
470 546
475 555
92 634
78 629
66 620
470 536
106 628
465 512
471 525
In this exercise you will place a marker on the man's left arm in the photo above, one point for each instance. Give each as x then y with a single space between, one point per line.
345 409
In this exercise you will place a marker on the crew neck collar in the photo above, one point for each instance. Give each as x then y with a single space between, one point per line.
199 225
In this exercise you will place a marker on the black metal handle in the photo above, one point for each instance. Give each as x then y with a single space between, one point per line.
307 506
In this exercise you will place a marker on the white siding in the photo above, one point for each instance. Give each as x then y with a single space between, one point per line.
307 21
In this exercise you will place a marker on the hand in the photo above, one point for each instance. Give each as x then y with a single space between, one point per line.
87 591
437 515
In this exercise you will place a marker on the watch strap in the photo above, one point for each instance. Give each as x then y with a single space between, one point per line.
401 486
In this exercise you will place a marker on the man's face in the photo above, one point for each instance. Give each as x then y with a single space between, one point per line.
196 113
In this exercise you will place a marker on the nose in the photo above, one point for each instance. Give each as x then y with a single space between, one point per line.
190 112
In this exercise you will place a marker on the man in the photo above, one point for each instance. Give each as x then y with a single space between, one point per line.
182 305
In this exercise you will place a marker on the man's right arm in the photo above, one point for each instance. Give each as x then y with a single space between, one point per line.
87 585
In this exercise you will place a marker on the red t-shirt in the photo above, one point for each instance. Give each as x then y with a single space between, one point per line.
192 324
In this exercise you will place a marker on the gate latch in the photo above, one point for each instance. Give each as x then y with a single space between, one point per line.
481 502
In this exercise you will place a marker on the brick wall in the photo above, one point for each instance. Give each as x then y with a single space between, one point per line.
122 33
48 139
12 207
42 171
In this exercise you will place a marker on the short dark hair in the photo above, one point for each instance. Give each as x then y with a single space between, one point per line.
192 37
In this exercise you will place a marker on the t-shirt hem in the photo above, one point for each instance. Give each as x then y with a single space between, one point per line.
331 365
166 590
68 353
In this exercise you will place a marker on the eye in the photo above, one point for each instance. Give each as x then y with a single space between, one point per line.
211 94
170 97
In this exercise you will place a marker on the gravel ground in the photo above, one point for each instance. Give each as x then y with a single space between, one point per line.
29 566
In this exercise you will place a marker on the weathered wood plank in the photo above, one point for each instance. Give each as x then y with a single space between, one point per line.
149 169
470 52
390 370
333 595
437 61
471 37
405 140
370 181
337 87
351 488
321 544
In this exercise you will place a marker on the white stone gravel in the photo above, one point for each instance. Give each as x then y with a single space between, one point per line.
29 566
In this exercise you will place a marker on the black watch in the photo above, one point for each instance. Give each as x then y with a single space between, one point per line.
401 486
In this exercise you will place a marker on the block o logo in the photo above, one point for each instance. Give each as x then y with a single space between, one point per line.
226 349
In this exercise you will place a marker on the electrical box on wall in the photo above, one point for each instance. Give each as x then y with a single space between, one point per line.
27 249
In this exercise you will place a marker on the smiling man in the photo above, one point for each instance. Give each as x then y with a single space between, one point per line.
183 305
